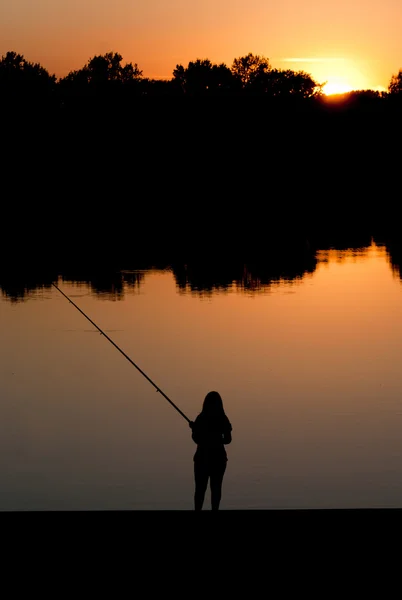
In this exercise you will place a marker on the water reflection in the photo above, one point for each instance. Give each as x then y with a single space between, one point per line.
255 271
312 380
342 255
254 277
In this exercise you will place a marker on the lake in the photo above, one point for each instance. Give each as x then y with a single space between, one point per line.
308 366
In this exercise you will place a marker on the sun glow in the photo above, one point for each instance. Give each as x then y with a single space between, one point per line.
339 75
337 86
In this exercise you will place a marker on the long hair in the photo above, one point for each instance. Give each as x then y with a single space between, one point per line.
213 405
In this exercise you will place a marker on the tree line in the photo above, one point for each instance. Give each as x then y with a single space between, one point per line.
107 75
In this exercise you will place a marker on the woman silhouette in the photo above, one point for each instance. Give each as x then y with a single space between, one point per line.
211 430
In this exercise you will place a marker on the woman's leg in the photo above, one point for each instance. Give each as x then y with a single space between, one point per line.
201 475
216 479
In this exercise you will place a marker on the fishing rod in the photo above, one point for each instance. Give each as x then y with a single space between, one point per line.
123 353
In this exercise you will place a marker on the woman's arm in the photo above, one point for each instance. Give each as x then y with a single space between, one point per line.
195 431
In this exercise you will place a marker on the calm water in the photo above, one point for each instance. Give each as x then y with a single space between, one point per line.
309 371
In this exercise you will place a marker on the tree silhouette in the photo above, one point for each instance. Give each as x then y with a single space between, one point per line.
287 83
24 82
202 77
102 79
247 68
395 85
105 69
255 74
106 83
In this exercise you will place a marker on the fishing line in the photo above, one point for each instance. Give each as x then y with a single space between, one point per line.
123 353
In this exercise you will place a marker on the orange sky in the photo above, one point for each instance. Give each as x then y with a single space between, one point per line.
349 43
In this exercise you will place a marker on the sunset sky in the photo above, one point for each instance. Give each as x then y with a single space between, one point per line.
351 44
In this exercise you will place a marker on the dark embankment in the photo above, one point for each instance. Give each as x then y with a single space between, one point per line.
169 179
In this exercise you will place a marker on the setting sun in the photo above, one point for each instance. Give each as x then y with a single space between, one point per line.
337 86
340 74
